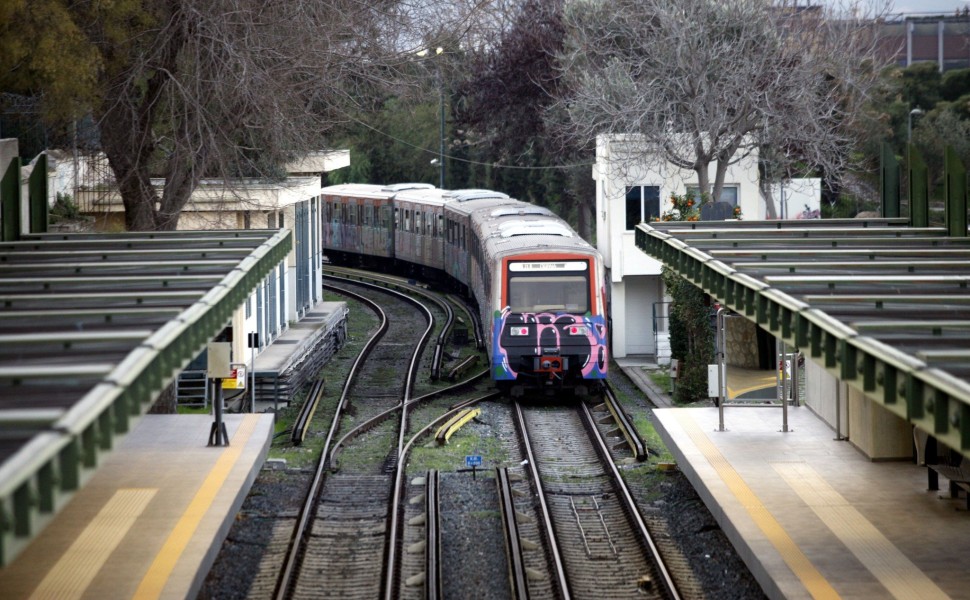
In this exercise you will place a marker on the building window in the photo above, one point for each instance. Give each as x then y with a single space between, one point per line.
642 204
729 193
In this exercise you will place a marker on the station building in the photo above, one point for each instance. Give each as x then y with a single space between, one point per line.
634 186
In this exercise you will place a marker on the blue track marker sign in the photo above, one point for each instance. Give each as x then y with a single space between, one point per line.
473 461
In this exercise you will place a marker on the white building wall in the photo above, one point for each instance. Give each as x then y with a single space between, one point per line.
796 199
635 277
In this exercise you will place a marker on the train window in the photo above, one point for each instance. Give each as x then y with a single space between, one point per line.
397 218
463 237
441 226
360 213
335 215
417 222
407 220
366 219
535 293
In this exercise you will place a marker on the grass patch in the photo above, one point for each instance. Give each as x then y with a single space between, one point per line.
360 324
661 378
368 451
451 457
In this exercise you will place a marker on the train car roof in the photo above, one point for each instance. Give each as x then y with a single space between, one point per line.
432 196
476 194
371 190
498 246
523 227
534 227
479 207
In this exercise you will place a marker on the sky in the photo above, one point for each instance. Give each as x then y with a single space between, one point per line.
900 6
922 6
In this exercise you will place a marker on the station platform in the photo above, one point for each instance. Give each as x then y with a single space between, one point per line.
151 520
811 516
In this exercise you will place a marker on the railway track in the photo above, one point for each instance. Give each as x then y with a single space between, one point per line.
345 542
598 545
445 304
341 533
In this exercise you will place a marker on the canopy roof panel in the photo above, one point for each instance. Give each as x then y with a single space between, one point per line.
883 306
92 328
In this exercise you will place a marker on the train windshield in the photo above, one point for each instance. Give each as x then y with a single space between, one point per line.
548 287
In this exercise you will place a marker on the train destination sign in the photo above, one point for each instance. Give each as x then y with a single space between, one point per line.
569 265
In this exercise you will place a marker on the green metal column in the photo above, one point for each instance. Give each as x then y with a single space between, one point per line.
10 201
919 189
37 191
889 181
956 194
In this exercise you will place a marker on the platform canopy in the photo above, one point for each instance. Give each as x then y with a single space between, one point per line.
92 328
883 306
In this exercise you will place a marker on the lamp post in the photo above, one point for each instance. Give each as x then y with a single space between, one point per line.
441 111
909 124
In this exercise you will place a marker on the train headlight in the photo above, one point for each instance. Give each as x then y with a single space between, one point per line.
519 330
578 330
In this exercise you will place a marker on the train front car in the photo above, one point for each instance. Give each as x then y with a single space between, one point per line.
549 331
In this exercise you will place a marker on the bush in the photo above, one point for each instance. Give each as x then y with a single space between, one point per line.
64 208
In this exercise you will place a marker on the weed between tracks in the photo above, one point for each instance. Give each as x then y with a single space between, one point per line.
360 324
370 449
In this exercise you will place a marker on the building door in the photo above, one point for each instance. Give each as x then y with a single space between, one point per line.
641 293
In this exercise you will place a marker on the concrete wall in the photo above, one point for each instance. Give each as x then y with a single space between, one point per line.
876 432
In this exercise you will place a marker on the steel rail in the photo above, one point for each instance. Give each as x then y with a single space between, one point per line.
518 578
561 583
285 581
298 434
390 553
375 420
630 433
629 504
445 306
474 318
432 555
390 588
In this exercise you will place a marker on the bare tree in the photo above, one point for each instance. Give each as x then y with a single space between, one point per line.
188 89
702 82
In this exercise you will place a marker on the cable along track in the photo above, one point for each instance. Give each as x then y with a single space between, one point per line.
598 545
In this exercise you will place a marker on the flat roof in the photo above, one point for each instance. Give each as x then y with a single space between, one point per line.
885 307
92 328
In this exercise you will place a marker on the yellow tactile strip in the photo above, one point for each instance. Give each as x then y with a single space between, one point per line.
154 580
793 556
897 573
73 573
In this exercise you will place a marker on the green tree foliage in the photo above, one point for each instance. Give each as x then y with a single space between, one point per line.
954 84
503 117
44 52
920 85
691 335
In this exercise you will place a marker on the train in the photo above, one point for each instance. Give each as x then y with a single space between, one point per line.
538 286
